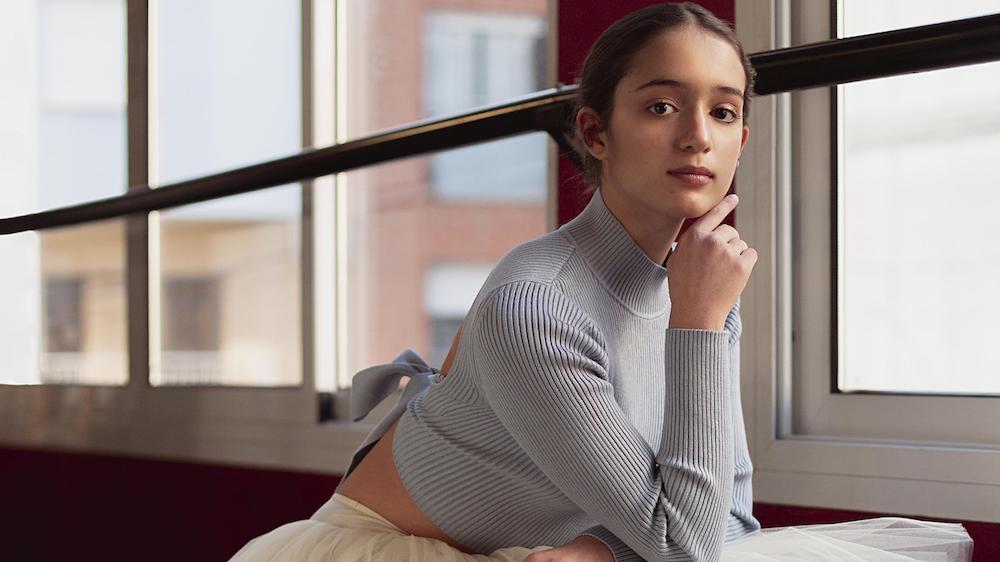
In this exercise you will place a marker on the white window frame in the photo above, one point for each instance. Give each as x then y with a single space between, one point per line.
264 427
267 427
866 452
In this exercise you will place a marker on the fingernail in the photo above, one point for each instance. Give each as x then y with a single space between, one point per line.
734 197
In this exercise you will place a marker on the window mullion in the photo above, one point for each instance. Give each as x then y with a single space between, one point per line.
137 229
340 196
308 315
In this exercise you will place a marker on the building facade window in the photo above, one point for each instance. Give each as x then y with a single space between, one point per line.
64 315
449 289
192 320
473 59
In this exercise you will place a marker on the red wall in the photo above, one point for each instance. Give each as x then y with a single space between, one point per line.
69 506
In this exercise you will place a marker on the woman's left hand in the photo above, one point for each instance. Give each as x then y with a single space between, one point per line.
580 549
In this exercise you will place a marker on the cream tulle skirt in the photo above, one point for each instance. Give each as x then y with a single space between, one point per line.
344 530
888 539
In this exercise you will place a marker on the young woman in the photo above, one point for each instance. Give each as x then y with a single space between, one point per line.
592 401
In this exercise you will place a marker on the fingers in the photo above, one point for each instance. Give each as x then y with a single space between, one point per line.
739 245
741 248
726 233
712 219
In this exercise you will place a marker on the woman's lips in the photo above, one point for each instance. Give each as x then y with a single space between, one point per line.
690 174
693 179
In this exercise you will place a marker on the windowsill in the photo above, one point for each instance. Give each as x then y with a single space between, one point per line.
274 429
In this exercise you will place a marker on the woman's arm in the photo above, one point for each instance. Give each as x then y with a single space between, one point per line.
581 549
543 371
741 520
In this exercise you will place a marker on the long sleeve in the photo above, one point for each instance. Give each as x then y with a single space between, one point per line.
741 520
544 374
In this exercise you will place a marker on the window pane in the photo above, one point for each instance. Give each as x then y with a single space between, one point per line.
410 60
228 95
63 143
64 295
483 172
920 189
449 289
83 300
228 78
81 100
424 232
416 264
472 59
862 17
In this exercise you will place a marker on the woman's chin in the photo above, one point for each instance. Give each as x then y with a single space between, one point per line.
695 207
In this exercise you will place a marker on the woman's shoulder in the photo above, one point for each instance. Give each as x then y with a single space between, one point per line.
533 275
539 260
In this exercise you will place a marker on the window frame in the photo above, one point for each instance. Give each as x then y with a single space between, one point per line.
267 426
277 427
844 465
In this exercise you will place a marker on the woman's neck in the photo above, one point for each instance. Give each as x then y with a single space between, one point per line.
653 233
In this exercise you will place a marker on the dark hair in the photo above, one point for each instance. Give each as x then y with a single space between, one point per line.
611 56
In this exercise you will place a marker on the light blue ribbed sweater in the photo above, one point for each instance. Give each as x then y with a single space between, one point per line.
572 409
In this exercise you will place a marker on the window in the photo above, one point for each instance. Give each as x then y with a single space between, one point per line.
904 287
443 330
449 289
63 326
916 310
228 95
216 307
191 337
473 59
81 100
419 235
851 349
61 360
63 115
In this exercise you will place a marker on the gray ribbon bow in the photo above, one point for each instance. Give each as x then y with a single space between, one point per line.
369 387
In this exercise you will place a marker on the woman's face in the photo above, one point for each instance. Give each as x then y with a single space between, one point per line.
676 130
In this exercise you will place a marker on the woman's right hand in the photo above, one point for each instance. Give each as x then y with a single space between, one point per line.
708 270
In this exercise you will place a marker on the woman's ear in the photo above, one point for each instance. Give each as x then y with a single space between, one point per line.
746 136
592 132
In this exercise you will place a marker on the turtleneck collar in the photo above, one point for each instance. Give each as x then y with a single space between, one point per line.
619 263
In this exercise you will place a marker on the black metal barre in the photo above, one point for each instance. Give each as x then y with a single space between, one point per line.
826 63
878 55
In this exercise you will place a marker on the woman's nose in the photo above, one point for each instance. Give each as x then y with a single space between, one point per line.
694 136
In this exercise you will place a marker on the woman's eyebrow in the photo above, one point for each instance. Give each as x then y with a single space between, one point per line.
679 84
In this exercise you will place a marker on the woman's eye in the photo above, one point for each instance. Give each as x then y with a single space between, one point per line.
661 108
726 114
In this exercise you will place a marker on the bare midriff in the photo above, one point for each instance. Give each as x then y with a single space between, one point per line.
375 483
